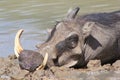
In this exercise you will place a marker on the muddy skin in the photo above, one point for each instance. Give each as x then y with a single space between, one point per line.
10 70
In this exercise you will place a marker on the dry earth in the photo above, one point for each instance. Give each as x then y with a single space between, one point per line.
10 70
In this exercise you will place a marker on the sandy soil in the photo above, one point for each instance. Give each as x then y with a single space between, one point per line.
10 70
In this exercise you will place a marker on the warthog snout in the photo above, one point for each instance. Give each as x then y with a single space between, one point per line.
28 59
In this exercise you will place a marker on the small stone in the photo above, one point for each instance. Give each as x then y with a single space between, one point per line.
113 78
116 65
94 63
12 57
19 75
38 74
91 78
5 77
107 67
50 78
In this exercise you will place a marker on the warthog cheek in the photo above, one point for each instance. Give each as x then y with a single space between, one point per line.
77 50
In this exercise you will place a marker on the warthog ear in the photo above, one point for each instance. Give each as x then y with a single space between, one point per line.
87 28
72 13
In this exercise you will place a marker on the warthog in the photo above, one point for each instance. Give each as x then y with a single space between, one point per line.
28 59
77 39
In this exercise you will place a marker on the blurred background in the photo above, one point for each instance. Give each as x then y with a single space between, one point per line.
36 16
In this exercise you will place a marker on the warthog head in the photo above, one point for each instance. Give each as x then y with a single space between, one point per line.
66 41
28 59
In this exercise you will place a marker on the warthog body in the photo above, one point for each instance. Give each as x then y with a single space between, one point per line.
77 39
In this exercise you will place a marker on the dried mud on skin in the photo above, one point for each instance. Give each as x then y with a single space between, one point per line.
10 70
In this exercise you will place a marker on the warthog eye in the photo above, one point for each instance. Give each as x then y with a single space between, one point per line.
71 42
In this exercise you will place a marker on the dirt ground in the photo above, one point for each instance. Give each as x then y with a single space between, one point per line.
10 70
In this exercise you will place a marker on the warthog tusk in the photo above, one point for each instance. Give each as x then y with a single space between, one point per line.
18 48
44 62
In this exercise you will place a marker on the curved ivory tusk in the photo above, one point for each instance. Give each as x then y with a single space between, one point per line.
18 48
44 62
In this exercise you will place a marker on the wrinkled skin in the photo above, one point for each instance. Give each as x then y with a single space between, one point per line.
77 39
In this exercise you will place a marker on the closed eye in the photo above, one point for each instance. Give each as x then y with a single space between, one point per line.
72 41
